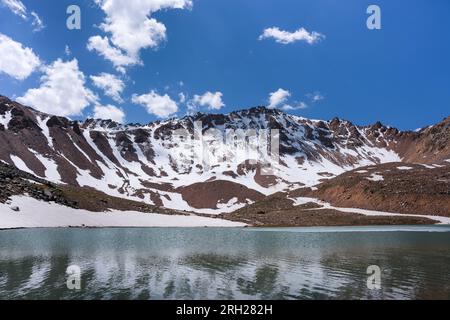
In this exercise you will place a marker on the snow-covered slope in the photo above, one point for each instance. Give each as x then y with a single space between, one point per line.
179 163
39 214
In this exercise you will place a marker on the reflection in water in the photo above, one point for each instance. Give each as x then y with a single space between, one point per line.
223 264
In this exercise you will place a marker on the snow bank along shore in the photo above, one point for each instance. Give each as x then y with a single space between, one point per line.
39 214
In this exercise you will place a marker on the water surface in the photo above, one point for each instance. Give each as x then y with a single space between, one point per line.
206 263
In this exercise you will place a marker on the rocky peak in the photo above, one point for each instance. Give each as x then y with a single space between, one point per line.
100 124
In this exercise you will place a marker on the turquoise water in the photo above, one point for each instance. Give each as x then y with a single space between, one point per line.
206 263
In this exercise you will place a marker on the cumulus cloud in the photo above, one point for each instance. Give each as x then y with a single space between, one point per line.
131 28
111 85
62 91
160 106
213 101
278 97
16 60
119 59
286 37
109 112
18 8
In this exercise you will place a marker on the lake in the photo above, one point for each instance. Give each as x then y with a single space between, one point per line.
226 263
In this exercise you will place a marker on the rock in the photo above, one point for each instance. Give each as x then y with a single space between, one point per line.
76 128
55 121
47 192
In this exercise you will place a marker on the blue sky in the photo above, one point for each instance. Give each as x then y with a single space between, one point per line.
399 74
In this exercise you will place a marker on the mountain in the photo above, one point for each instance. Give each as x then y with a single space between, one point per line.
149 163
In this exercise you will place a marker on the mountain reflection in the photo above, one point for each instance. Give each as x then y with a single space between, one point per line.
222 264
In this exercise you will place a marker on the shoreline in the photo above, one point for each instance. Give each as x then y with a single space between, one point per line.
308 229
35 214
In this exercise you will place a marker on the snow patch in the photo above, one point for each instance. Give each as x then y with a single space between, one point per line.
20 164
45 130
5 119
33 182
375 177
39 214
51 168
325 205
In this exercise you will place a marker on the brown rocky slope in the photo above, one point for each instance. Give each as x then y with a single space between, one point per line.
391 187
279 211
16 182
409 189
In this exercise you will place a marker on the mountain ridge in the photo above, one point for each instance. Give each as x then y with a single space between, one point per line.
197 115
146 163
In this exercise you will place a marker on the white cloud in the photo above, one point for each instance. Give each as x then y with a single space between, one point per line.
278 97
182 97
213 101
161 106
118 58
131 28
316 97
109 112
16 60
17 7
62 91
191 107
298 106
111 85
37 22
67 50
286 37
